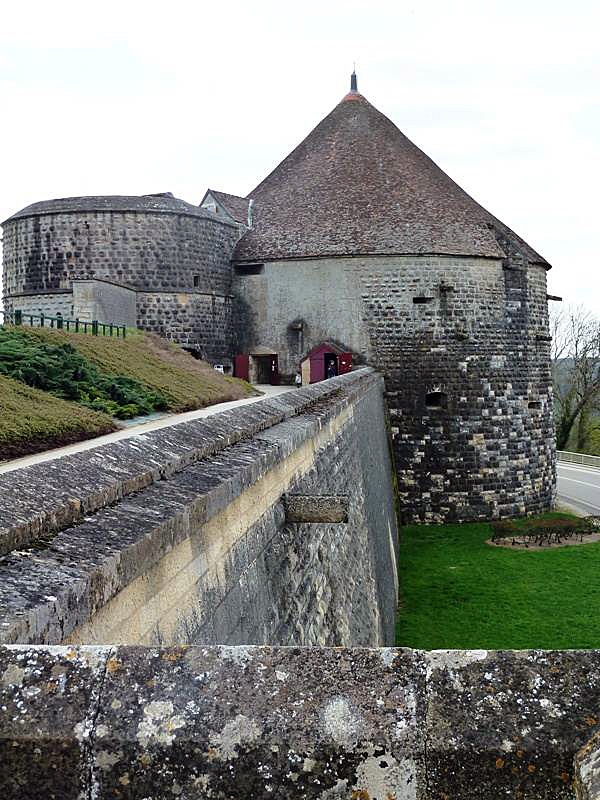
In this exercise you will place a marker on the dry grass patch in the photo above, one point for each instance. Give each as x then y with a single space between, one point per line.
31 420
160 365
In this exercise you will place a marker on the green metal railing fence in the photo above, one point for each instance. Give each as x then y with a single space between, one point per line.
94 327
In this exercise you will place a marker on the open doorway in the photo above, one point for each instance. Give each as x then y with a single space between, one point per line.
265 369
331 364
260 366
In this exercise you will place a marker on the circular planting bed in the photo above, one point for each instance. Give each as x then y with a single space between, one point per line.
541 534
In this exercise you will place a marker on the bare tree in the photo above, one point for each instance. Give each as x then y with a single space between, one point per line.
576 373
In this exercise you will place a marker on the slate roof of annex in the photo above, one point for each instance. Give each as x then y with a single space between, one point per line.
163 203
358 186
236 206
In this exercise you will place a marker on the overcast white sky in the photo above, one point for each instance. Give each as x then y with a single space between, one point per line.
137 97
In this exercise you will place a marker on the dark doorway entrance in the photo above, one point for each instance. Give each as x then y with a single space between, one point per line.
331 365
263 368
258 367
268 369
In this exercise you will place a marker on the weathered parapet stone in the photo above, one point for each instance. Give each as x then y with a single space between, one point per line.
293 723
36 501
587 770
508 724
49 700
206 555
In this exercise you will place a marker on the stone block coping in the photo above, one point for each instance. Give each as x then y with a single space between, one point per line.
311 723
38 500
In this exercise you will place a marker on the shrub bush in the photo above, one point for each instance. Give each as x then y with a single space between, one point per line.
63 372
504 529
551 526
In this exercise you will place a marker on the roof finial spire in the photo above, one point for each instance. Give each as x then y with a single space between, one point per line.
353 83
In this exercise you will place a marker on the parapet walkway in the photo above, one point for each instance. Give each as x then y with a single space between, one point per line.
145 427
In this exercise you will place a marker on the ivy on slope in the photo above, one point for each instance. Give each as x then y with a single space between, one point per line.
63 372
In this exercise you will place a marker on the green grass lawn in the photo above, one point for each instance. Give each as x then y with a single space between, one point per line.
458 592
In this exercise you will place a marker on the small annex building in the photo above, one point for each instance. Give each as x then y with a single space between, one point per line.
324 361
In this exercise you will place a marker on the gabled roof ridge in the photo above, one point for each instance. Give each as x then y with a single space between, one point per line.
226 194
234 204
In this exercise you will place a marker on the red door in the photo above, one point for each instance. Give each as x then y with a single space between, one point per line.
274 372
344 363
241 367
317 368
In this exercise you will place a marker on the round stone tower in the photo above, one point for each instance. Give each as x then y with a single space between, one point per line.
173 258
360 239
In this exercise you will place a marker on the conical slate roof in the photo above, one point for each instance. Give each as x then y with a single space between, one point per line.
356 186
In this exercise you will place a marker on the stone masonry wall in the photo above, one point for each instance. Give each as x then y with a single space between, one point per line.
202 322
476 341
249 723
147 251
206 555
50 304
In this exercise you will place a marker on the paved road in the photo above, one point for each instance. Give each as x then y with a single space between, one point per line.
128 432
579 487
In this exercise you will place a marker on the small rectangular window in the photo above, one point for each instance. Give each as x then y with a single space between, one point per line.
421 299
196 281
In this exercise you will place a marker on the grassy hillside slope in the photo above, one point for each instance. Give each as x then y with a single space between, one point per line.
81 374
33 420
160 365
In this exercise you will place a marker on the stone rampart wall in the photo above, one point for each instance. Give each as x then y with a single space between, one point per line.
201 322
51 304
463 345
315 723
206 555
